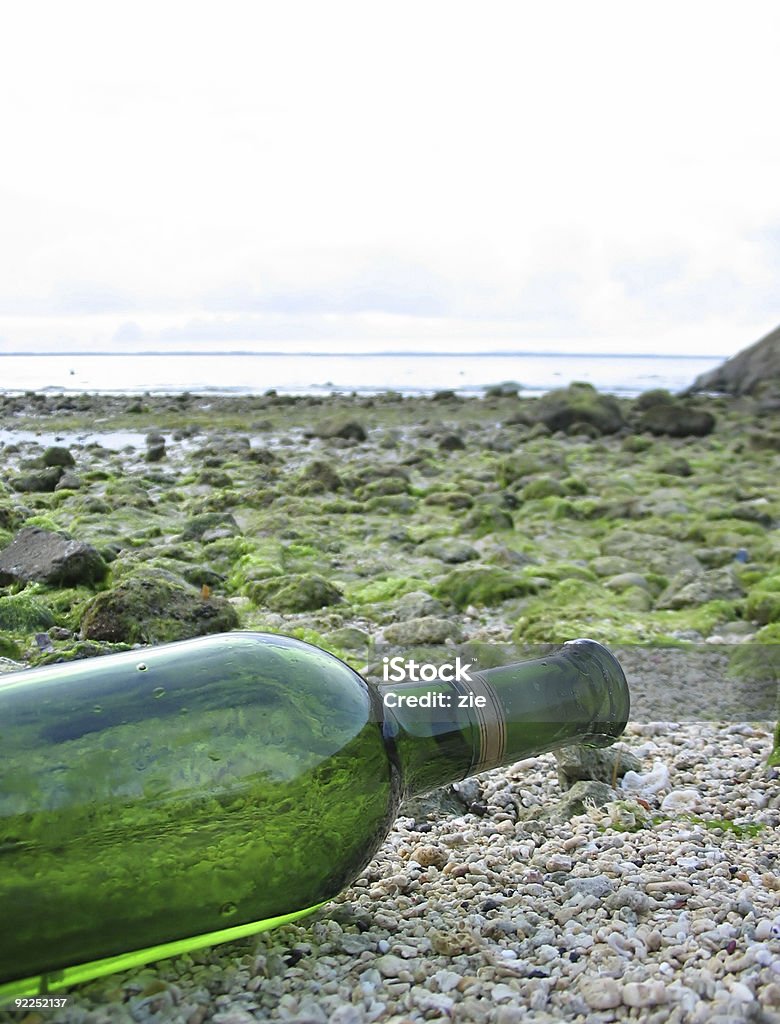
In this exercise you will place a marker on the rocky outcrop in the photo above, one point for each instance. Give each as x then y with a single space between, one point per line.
751 372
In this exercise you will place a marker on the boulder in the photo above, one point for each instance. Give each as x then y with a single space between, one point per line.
155 606
339 426
42 556
294 592
580 404
676 420
691 589
649 552
750 372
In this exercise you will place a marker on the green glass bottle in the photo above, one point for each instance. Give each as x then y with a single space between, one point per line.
157 801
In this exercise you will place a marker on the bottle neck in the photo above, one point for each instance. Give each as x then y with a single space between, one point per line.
444 731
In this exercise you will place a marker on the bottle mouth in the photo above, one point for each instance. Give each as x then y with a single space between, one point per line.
617 696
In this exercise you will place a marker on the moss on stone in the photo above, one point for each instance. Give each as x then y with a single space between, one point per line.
482 585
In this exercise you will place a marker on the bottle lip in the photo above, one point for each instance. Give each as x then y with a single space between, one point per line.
618 694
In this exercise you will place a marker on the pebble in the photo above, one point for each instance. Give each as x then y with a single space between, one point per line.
644 993
601 993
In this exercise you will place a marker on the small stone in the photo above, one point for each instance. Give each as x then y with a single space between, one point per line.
770 995
502 992
390 966
680 800
429 856
644 993
558 862
601 993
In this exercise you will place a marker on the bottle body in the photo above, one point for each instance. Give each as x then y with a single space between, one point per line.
160 800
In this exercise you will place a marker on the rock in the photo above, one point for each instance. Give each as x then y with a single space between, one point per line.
350 637
656 396
41 556
676 420
449 550
41 481
69 482
294 593
750 372
449 499
579 404
647 783
483 585
690 588
763 601
339 426
649 552
577 764
155 606
428 630
676 466
207 522
609 565
624 580
575 800
601 993
57 456
451 443
390 966
644 993
322 475
485 518
599 886
417 605
542 487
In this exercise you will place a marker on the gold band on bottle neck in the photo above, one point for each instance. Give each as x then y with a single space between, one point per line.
491 725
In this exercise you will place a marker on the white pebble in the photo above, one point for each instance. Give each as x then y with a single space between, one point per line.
390 966
649 782
681 800
644 993
601 993
501 992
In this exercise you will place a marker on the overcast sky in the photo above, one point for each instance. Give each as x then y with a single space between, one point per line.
554 176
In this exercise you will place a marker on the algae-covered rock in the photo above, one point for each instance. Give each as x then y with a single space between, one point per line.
319 476
677 420
580 404
24 613
649 552
40 481
155 606
339 426
428 630
449 550
487 518
677 465
417 605
58 456
583 794
303 592
210 523
763 601
691 588
543 487
483 585
42 556
578 764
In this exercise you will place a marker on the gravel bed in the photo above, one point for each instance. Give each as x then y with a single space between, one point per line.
650 908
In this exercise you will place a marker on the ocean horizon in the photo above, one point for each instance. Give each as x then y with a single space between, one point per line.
242 371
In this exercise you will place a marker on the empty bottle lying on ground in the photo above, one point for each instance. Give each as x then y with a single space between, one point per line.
160 800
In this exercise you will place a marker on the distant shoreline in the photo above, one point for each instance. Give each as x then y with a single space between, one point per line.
395 353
